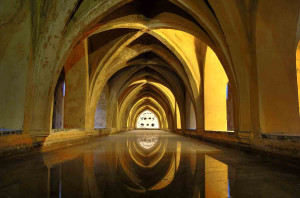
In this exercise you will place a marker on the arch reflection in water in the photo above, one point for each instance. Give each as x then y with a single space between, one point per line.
140 164
133 164
147 141
148 164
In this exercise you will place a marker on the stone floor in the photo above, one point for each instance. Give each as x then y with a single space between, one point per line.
146 164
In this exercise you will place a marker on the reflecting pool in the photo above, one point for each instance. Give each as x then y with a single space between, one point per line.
146 164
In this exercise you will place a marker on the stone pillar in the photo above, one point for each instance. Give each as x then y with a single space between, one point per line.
276 69
76 80
190 113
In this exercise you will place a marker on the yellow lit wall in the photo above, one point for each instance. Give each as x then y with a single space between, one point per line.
215 81
184 44
298 72
178 119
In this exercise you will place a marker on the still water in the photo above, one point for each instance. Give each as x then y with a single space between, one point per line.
146 164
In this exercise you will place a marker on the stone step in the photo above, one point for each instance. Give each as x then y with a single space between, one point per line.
244 137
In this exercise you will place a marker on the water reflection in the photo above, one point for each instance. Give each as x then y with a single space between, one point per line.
147 141
135 164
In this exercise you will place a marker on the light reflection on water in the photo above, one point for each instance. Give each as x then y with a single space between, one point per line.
147 141
133 164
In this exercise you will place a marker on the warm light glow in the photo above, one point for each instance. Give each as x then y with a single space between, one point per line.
216 178
147 120
161 115
178 117
185 49
155 107
215 83
298 72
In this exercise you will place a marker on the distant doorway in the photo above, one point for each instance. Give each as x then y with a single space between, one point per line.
147 120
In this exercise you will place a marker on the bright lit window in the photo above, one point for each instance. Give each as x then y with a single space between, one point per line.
147 120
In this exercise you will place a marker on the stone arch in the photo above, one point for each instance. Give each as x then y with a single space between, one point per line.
83 26
131 100
135 76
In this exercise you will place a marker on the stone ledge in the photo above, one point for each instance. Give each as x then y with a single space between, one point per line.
218 135
15 144
287 151
284 137
10 132
22 144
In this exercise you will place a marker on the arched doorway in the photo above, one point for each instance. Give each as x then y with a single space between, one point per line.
147 120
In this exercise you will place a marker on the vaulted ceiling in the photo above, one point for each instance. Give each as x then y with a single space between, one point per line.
152 53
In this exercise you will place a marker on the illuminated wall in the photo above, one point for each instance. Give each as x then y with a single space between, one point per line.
298 72
147 120
215 82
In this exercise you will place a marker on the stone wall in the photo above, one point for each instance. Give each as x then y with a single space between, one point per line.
100 115
15 55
